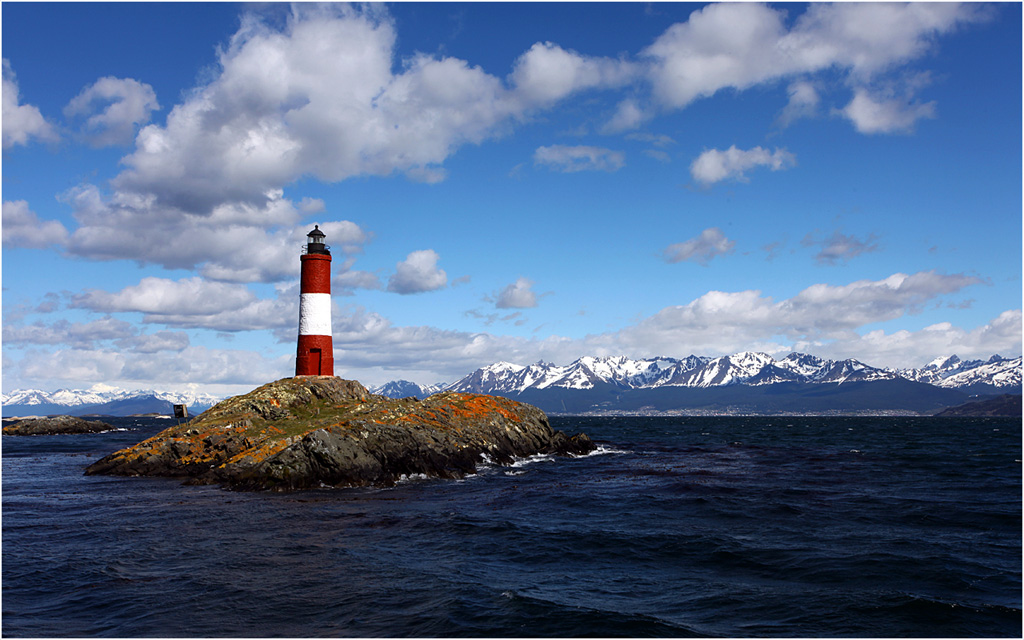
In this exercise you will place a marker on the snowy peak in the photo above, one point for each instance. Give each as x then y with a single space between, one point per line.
746 366
742 368
813 369
101 399
26 397
495 378
801 364
584 373
405 389
618 371
942 363
942 368
1000 373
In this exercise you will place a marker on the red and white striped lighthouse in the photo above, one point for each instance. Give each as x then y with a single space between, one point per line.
315 355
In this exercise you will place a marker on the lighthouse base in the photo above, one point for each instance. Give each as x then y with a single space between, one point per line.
315 356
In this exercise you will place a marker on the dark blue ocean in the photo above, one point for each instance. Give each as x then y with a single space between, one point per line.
728 526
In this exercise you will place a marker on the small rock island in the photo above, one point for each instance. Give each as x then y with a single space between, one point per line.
55 425
316 431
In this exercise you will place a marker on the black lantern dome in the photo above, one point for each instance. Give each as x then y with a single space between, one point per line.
316 241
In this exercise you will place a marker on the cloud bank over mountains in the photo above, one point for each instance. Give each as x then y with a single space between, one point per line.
822 318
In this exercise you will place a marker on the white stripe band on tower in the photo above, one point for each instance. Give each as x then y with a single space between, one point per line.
315 314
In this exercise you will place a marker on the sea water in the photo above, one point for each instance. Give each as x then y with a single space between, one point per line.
727 526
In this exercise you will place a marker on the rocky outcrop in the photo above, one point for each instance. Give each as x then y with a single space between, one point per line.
314 431
55 425
1006 405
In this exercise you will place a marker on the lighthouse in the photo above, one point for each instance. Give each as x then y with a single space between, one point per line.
315 354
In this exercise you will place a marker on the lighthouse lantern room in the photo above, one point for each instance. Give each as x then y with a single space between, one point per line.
315 353
316 241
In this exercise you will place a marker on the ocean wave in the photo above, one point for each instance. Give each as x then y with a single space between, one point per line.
601 450
573 620
537 457
487 462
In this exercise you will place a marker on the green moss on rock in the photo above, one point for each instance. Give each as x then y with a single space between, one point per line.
313 431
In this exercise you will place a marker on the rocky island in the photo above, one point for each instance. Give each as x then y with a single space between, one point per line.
1006 405
314 431
54 425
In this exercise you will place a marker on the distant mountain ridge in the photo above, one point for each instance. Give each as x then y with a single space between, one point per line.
104 401
749 381
747 368
405 389
953 373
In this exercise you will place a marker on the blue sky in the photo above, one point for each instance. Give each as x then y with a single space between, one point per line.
519 182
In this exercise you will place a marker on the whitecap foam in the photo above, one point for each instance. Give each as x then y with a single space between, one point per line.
412 477
600 451
537 457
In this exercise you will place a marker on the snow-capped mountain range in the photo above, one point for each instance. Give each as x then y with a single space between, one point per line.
749 382
953 373
601 375
747 368
101 399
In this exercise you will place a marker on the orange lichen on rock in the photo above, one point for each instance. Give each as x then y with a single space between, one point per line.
322 430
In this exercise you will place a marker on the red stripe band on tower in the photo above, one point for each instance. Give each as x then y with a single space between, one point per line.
316 273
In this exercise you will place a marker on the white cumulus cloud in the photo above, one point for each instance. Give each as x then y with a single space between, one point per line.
840 247
23 228
874 114
741 45
702 249
80 335
160 295
569 159
112 109
317 97
517 295
726 322
155 342
628 115
902 348
324 95
418 273
21 122
803 102
195 303
238 371
714 165
547 73
236 242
